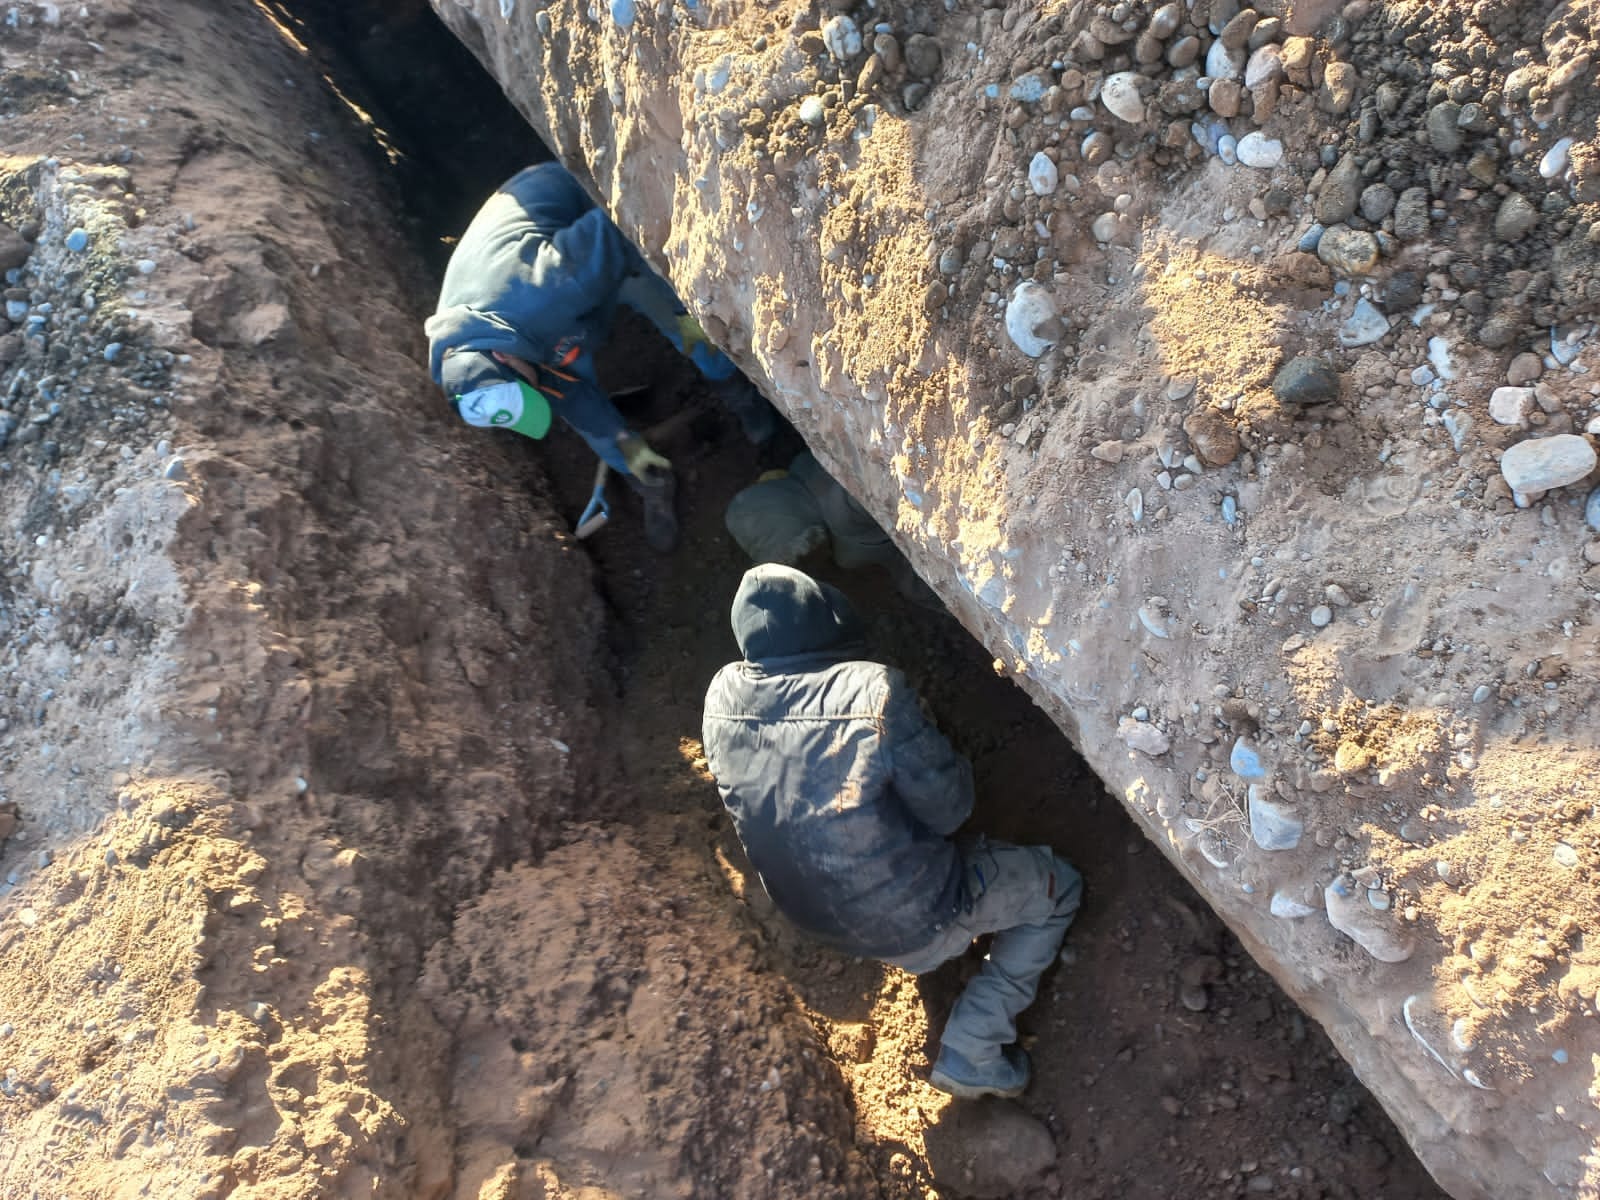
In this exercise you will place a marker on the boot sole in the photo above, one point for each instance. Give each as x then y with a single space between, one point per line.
974 1091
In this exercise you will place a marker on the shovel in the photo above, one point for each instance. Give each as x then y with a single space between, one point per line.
598 511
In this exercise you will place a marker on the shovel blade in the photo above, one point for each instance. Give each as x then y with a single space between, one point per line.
592 526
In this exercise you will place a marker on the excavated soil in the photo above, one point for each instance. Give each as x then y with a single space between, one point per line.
357 838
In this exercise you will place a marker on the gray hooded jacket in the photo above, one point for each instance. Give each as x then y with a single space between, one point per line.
843 793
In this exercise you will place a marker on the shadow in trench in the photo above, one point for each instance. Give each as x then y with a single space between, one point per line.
452 135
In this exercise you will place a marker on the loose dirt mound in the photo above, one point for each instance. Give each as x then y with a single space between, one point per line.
254 692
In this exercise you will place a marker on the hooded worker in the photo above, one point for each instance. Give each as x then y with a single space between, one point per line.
529 295
845 796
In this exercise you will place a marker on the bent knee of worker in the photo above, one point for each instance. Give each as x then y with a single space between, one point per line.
1066 886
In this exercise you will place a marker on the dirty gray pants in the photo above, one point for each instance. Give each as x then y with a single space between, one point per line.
1026 897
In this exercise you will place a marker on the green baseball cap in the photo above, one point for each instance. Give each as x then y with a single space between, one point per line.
517 406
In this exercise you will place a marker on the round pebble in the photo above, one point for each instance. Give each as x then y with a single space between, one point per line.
1164 21
811 111
1306 380
78 240
1264 64
1030 89
1031 319
1120 95
1365 325
1257 150
842 37
1245 761
1321 616
1555 159
1516 218
1524 369
1511 405
1348 251
1224 62
1539 464
1042 174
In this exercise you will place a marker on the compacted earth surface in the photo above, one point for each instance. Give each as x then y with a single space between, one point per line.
356 839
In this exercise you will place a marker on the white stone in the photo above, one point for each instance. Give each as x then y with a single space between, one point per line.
1120 94
1365 326
1273 826
811 110
1265 64
1042 174
1223 63
1104 227
1539 464
1286 906
1143 737
1555 159
1444 363
1511 405
1257 150
841 37
1031 319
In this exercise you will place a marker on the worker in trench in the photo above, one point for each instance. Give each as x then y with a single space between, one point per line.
845 796
529 295
790 516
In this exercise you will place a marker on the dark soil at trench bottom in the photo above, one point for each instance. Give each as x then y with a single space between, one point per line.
1145 1097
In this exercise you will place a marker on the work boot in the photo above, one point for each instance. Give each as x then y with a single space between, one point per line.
1006 1074
756 416
660 519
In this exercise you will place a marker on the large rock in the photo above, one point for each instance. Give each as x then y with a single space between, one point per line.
1448 697
988 1148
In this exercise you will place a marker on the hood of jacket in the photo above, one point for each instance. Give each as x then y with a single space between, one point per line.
782 613
472 335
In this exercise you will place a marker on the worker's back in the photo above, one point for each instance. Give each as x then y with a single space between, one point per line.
538 269
841 791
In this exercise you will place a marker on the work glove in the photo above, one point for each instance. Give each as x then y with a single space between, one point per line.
644 463
691 333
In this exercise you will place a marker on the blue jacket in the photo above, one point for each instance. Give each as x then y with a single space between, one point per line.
843 793
536 275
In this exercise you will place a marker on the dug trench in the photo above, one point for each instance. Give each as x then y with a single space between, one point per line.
440 901
1167 1063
